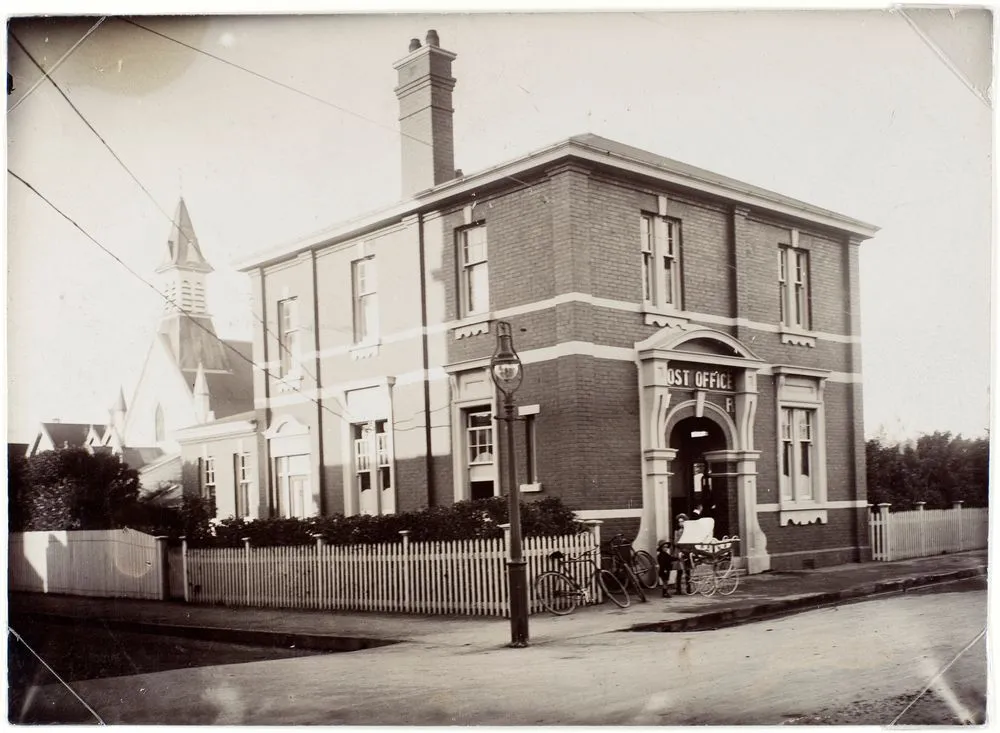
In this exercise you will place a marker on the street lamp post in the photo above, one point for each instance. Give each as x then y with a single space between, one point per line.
507 373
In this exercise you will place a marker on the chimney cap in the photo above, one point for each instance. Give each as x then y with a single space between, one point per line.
414 44
432 38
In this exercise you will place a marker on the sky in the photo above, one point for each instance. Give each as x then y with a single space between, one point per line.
881 116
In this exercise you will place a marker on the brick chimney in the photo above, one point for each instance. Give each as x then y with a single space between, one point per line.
425 115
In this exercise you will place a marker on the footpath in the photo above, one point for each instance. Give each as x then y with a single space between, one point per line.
759 596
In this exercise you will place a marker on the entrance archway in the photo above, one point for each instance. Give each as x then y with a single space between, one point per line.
692 438
698 401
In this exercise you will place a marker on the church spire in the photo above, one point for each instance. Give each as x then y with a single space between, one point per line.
183 251
183 269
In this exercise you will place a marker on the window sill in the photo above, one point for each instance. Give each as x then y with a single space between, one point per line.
663 317
473 325
790 514
530 488
365 350
796 337
289 383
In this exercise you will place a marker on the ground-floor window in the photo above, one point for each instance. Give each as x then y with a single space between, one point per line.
797 454
242 473
292 483
480 453
372 466
208 478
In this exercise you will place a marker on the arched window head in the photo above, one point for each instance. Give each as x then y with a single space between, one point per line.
161 432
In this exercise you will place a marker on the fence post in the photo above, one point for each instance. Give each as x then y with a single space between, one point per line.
184 568
407 569
883 515
594 527
920 527
957 506
505 583
246 563
163 561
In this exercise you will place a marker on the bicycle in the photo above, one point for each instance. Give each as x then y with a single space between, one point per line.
622 557
560 592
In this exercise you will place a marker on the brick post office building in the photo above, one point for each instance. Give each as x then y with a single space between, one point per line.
686 337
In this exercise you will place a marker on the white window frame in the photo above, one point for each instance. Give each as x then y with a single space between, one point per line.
529 414
472 271
289 338
242 482
482 467
799 393
208 483
365 300
289 503
372 458
660 244
795 314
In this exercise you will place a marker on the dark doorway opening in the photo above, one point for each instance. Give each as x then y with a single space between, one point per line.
691 483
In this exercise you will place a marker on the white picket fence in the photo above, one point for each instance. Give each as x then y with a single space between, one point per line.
459 577
923 532
119 563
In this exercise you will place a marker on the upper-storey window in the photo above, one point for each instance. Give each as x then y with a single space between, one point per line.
661 262
289 339
474 278
793 287
366 327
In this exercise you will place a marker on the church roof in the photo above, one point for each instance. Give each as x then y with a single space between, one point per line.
182 244
66 433
138 457
230 392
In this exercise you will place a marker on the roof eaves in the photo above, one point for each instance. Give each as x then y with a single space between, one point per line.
591 148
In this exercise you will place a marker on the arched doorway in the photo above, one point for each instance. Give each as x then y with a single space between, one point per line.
698 476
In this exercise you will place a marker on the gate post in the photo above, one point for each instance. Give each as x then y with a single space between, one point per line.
246 564
184 568
163 561
405 534
957 506
920 527
883 515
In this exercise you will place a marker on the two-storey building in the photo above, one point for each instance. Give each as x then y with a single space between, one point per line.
687 338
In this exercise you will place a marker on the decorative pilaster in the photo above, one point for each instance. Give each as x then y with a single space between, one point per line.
654 405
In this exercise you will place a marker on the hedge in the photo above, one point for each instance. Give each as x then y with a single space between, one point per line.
460 521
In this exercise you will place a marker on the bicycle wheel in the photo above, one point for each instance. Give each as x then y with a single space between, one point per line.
645 568
613 588
631 579
557 593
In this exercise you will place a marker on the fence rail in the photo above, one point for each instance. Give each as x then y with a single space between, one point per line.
118 563
459 577
920 533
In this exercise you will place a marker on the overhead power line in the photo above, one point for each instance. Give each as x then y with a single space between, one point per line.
57 64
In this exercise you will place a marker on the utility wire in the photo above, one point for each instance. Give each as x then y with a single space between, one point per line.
196 322
57 64
132 175
935 678
55 674
167 298
290 88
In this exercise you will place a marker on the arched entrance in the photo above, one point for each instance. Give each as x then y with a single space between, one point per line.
696 478
698 401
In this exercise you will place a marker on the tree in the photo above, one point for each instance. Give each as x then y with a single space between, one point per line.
938 469
71 489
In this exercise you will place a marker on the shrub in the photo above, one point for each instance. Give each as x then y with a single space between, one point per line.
463 520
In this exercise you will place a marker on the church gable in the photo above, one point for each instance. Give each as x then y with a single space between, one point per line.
161 390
